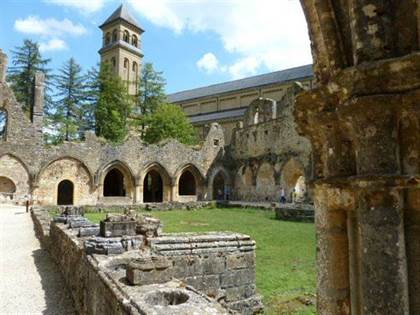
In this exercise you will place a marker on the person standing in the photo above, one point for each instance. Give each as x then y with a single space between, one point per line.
282 195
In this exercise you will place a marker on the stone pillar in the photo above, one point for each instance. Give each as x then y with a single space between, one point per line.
38 105
3 66
363 119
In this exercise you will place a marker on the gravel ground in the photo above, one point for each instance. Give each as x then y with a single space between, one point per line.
30 282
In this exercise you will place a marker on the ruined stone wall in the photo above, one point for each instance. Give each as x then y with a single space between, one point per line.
266 148
135 280
38 169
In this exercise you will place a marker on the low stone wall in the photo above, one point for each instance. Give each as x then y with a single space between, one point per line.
160 206
298 213
198 268
221 265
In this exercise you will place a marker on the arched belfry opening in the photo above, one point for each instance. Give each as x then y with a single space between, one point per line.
219 187
153 187
187 185
65 193
114 184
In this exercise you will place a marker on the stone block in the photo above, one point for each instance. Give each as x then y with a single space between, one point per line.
237 278
213 264
240 261
91 230
143 272
239 293
115 229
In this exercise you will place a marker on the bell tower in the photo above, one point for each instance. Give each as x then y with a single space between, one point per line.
121 46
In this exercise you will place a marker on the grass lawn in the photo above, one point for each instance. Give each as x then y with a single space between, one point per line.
285 251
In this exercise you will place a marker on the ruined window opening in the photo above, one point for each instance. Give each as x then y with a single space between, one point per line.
114 35
153 187
216 142
187 185
65 193
126 37
7 188
114 184
219 187
134 41
3 124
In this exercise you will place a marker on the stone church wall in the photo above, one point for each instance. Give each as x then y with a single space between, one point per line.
268 154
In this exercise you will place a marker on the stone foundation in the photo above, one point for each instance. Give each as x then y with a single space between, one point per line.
166 274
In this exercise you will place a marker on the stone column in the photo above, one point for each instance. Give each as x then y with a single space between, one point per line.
363 119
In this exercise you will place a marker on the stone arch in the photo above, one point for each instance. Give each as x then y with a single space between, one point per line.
114 35
291 171
265 182
116 179
126 36
107 38
65 192
189 183
7 189
3 124
12 168
134 41
157 187
58 170
244 183
219 180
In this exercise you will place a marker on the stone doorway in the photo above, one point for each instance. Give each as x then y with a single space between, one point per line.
153 187
114 184
219 187
65 193
187 185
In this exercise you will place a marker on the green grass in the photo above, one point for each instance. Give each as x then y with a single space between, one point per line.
285 251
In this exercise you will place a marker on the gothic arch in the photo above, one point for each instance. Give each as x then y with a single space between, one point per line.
114 35
291 172
148 192
189 172
134 41
128 180
214 185
126 36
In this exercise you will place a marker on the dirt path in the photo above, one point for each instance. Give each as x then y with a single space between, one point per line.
30 282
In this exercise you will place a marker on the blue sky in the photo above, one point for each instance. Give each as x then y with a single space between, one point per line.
194 42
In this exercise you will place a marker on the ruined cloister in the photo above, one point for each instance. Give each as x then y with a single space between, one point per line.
351 145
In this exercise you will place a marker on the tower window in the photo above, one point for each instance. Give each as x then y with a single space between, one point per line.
126 63
135 67
113 62
126 37
134 41
114 35
107 38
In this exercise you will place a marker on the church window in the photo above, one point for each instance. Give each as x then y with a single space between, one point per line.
126 37
114 35
134 41
107 38
114 62
126 63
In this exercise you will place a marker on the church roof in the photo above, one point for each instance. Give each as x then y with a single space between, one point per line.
122 13
250 82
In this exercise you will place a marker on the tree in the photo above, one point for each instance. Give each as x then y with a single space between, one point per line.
26 60
113 107
169 121
151 90
91 98
67 113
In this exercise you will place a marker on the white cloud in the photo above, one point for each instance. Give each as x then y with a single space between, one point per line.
53 44
48 27
261 33
208 63
85 6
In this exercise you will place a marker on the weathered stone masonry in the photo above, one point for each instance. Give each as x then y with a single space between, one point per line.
363 119
128 267
39 170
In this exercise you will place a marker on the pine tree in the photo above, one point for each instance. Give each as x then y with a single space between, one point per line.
151 90
26 60
113 107
67 112
91 99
